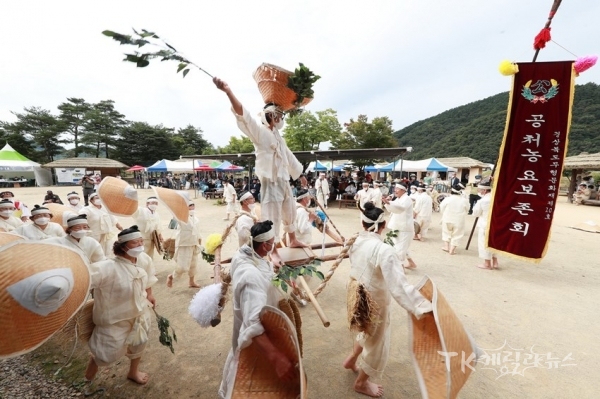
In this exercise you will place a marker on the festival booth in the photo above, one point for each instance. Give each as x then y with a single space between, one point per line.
14 165
227 166
318 166
69 171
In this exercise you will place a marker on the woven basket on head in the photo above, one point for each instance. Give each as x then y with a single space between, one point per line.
82 324
22 329
272 84
256 377
7 238
440 376
118 196
60 213
175 201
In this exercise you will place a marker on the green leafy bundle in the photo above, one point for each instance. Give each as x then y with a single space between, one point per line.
166 52
163 326
210 258
288 273
301 82
389 235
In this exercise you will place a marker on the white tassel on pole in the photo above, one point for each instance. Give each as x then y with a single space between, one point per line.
204 306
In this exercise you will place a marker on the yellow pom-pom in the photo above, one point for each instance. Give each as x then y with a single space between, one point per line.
554 82
212 242
508 68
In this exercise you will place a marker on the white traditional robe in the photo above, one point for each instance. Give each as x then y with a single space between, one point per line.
10 224
364 196
187 248
304 227
275 163
75 208
251 291
424 209
121 311
402 220
230 197
482 210
322 187
454 210
102 226
86 245
33 232
376 197
147 222
243 225
377 266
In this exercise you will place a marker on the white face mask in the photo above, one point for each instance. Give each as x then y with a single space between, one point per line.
191 213
251 206
6 214
279 125
78 234
134 252
41 221
74 201
97 202
152 207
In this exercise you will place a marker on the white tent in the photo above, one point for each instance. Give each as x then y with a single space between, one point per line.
13 164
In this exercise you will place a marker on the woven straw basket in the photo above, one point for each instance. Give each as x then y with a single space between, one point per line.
23 330
255 376
82 324
60 213
439 376
272 84
118 197
7 238
175 201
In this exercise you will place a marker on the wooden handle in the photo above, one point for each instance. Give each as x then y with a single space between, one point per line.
313 300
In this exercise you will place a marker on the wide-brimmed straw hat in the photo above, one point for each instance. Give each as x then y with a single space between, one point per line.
60 213
433 335
42 285
7 238
118 196
176 201
255 376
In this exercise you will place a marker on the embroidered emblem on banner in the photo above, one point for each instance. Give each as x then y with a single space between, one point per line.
541 91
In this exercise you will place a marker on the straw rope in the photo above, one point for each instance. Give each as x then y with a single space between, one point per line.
339 259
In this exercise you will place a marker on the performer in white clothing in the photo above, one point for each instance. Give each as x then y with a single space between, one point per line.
307 221
74 202
42 228
482 210
423 210
454 211
148 221
365 195
377 267
377 195
8 222
251 276
275 163
22 211
246 219
122 306
230 197
187 248
101 223
402 220
322 188
77 239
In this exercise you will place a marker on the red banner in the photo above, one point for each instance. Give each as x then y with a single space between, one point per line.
527 179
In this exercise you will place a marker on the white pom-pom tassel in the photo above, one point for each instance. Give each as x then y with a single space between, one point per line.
204 306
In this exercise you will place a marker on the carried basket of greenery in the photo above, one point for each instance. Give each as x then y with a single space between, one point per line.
288 90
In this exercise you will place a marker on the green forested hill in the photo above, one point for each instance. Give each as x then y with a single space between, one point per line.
475 130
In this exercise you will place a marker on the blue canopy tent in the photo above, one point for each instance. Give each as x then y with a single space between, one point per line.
380 168
160 166
338 168
227 166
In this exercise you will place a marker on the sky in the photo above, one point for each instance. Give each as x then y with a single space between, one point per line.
408 60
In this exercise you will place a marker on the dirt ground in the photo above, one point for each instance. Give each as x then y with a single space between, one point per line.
537 323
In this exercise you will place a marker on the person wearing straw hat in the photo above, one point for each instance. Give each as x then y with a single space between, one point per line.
251 276
101 223
454 210
423 210
307 220
322 188
481 210
275 163
8 222
77 238
41 228
148 220
402 220
74 201
377 267
122 306
187 248
22 211
246 219
230 196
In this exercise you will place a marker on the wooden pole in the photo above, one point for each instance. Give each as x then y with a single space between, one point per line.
472 231
553 10
314 301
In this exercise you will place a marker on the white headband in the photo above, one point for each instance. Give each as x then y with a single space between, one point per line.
375 222
72 195
129 236
306 194
264 237
94 195
247 195
75 222
39 211
8 204
401 186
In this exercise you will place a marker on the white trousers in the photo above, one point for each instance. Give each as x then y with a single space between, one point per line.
187 261
278 205
483 252
453 233
402 242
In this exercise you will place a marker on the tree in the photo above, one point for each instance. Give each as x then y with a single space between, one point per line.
143 144
73 113
43 128
189 141
102 127
20 143
362 134
238 145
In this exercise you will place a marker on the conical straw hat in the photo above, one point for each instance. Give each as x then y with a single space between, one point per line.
118 196
60 213
175 201
42 285
433 335
6 238
255 375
